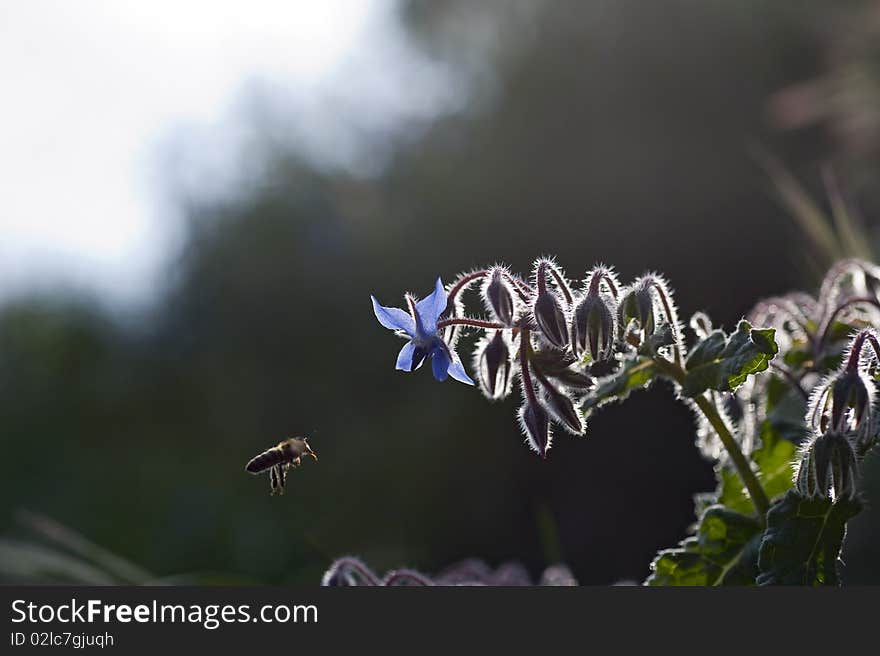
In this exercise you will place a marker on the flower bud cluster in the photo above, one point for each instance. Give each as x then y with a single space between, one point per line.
843 402
554 336
827 467
822 390
349 571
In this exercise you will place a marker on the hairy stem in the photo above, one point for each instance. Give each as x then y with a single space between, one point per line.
710 412
828 324
463 281
858 344
473 323
524 350
753 485
671 318
407 577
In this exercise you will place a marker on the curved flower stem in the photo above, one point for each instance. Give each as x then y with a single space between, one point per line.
524 348
857 347
560 282
406 577
557 277
829 322
791 378
349 564
522 287
710 412
463 281
670 317
598 278
473 323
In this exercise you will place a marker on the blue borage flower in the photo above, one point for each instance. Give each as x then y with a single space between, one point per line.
420 325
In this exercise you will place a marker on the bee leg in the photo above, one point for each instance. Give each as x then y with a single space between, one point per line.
282 478
273 479
296 462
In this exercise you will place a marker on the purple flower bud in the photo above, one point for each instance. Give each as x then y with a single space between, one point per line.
849 392
493 365
499 296
843 403
593 327
638 304
535 423
561 407
827 467
550 318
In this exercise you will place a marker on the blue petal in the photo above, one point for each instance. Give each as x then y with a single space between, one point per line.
431 307
440 364
394 318
410 357
457 371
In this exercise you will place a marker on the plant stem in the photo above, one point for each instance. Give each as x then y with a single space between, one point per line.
467 321
710 412
753 485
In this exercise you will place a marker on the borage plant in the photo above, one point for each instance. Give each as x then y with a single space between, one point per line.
784 404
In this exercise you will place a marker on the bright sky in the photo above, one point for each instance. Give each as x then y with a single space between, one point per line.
90 89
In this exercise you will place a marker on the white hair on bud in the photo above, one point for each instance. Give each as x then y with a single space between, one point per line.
660 291
818 404
607 277
561 283
529 439
701 324
513 363
506 277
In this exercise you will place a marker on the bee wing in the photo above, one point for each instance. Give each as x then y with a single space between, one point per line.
263 461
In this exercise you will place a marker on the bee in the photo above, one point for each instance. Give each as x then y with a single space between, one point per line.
279 459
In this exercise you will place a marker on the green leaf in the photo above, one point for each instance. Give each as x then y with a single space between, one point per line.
775 459
798 356
723 364
635 373
723 552
785 410
802 543
732 493
660 338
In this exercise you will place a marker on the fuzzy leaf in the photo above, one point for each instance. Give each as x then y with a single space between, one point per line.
661 337
732 494
633 374
802 543
774 459
723 364
785 410
723 552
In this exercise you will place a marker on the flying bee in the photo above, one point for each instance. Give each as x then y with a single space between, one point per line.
279 459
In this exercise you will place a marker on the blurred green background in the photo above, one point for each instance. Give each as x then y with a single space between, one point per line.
620 132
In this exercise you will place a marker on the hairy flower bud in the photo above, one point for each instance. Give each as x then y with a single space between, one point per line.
638 304
550 318
561 406
843 403
499 296
849 391
593 327
535 423
493 365
827 468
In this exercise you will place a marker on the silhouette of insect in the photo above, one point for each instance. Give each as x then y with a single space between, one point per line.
279 459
